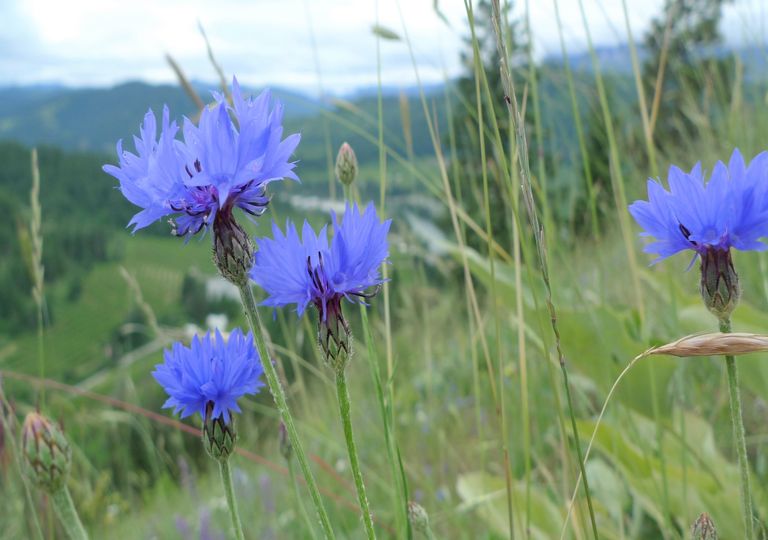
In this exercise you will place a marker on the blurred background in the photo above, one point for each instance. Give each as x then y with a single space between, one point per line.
611 92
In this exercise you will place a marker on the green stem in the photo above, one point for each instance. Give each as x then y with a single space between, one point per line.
344 408
299 501
582 466
65 509
276 388
229 491
738 435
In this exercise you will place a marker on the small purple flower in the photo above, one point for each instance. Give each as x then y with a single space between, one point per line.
220 164
728 211
295 270
306 270
210 371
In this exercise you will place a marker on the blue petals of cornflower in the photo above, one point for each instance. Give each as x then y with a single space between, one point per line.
295 270
221 163
728 211
210 370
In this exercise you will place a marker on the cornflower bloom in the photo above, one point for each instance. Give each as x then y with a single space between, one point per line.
306 270
224 162
728 211
208 377
709 218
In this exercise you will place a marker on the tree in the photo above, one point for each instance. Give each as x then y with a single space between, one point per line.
686 67
465 122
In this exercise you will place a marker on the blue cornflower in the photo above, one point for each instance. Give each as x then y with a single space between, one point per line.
295 270
728 211
226 161
300 271
210 375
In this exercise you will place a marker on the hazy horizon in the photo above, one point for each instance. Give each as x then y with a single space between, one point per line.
276 43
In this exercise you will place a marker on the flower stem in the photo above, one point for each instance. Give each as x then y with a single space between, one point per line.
579 455
344 408
299 502
226 479
65 509
276 388
738 435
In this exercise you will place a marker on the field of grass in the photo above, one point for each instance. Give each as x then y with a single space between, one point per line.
459 400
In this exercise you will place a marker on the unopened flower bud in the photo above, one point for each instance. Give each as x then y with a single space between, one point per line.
333 335
704 528
418 518
286 448
232 248
346 164
720 288
47 455
219 437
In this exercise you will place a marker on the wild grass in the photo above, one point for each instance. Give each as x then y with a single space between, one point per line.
458 398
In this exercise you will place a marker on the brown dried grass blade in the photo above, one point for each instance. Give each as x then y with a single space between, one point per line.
184 82
713 344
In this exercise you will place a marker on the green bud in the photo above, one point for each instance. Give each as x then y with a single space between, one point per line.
418 518
334 336
704 528
47 455
232 248
346 164
720 288
219 437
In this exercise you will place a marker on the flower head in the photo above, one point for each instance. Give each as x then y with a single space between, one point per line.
225 161
728 211
210 371
295 270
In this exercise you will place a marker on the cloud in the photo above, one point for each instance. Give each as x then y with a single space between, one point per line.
101 42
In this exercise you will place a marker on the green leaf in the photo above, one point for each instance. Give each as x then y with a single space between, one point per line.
487 495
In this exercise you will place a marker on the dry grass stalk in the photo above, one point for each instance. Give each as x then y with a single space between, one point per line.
713 344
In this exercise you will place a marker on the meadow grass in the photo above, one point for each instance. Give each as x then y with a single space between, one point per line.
458 399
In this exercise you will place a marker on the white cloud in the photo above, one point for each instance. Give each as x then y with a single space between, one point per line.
100 42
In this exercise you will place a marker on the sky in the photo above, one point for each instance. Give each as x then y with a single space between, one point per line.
310 45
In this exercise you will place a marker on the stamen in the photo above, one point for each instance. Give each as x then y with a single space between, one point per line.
686 233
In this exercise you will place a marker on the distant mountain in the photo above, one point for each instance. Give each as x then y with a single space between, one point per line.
617 59
95 118
393 90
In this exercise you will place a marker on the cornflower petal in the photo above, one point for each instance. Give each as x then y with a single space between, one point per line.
730 210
